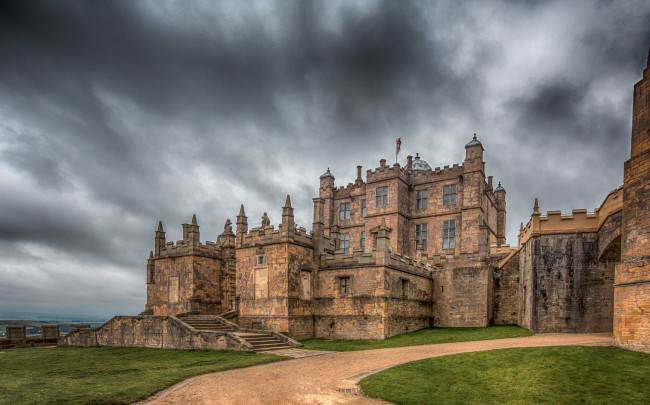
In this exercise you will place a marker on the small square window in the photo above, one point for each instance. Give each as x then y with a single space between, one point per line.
261 260
344 284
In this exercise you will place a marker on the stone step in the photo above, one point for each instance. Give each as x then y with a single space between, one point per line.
263 339
266 349
269 346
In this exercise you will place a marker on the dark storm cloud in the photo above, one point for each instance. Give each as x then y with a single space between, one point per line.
116 114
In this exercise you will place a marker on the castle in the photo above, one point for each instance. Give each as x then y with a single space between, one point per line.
406 248
377 262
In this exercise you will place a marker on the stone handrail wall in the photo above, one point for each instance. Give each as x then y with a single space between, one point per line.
166 332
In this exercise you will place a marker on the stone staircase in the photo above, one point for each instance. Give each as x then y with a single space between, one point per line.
260 341
263 342
206 322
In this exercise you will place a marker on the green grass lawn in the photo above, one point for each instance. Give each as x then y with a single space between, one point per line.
540 375
101 375
420 337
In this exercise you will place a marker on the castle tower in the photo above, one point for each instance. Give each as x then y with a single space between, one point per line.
632 276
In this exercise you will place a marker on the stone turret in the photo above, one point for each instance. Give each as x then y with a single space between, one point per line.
500 197
242 226
288 222
191 231
474 149
150 269
159 240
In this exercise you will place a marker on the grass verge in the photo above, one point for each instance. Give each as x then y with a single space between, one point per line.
420 337
101 375
539 375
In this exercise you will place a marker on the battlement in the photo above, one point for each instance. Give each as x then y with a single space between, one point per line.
369 257
578 221
437 174
385 172
269 235
186 248
503 249
348 190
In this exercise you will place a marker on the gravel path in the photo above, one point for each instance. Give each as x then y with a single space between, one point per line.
332 378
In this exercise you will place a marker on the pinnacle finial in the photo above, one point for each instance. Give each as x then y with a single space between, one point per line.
287 203
383 223
241 211
474 137
536 206
521 227
160 227
151 255
193 219
499 184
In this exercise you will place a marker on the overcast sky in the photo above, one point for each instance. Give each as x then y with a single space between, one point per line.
115 115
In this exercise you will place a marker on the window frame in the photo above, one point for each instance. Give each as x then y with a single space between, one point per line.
345 285
422 199
344 211
421 233
449 234
260 260
381 196
363 208
449 194
344 243
362 241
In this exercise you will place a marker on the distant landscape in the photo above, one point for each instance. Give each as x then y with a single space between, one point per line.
34 320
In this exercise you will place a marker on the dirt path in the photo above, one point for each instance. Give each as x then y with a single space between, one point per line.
328 379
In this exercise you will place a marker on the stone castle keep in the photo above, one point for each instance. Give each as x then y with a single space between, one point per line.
404 249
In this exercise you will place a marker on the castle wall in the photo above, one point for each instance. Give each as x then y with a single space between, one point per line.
505 292
356 314
408 303
565 287
460 296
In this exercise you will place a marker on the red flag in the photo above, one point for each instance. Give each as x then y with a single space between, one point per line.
399 145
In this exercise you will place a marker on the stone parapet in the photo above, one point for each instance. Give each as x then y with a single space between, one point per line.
187 248
578 221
